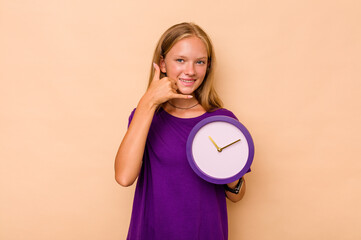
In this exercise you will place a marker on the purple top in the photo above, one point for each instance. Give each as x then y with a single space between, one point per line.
171 201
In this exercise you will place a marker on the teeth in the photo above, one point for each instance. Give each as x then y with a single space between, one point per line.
187 81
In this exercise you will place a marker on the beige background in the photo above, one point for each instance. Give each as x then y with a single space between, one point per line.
72 70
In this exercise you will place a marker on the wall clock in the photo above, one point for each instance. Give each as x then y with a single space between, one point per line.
220 149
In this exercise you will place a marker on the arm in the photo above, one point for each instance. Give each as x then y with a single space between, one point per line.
128 160
236 197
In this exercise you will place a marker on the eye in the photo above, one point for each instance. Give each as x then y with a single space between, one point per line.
180 60
201 62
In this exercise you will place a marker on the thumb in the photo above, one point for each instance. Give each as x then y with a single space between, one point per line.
156 72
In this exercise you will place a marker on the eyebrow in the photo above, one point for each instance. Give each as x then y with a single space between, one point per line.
179 56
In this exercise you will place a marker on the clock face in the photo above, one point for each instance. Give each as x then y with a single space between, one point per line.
220 149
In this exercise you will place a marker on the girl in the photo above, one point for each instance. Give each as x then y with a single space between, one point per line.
171 201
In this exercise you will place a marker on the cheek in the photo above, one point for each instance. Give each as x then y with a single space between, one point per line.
202 71
174 69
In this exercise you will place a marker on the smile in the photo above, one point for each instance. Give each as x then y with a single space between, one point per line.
187 80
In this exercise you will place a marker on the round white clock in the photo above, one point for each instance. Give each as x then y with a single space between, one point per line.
220 149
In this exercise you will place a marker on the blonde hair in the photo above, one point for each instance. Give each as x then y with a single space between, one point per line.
205 93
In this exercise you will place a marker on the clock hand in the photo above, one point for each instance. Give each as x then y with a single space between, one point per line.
218 149
229 145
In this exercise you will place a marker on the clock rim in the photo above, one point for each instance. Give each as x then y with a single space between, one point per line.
241 127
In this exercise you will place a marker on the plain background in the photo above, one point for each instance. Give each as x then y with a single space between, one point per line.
72 71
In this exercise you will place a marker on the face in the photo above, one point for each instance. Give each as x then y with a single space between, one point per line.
186 62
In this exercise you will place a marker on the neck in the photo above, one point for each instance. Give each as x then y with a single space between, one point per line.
183 103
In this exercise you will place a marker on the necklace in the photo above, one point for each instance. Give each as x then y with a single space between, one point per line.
183 108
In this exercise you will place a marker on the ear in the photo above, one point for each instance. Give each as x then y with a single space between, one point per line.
162 65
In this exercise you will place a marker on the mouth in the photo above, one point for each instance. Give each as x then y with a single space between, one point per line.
187 81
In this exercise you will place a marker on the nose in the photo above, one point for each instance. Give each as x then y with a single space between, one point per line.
190 70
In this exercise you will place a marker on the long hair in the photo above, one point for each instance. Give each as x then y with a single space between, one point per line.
205 93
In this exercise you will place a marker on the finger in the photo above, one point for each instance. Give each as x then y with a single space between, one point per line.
173 80
174 86
156 72
181 96
173 83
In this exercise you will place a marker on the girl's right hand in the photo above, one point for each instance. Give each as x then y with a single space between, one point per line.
162 90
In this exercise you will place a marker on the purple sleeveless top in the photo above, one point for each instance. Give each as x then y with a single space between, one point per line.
171 202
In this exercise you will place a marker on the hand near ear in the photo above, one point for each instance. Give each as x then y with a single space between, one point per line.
162 90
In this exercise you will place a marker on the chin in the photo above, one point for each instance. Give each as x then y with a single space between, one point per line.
186 91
